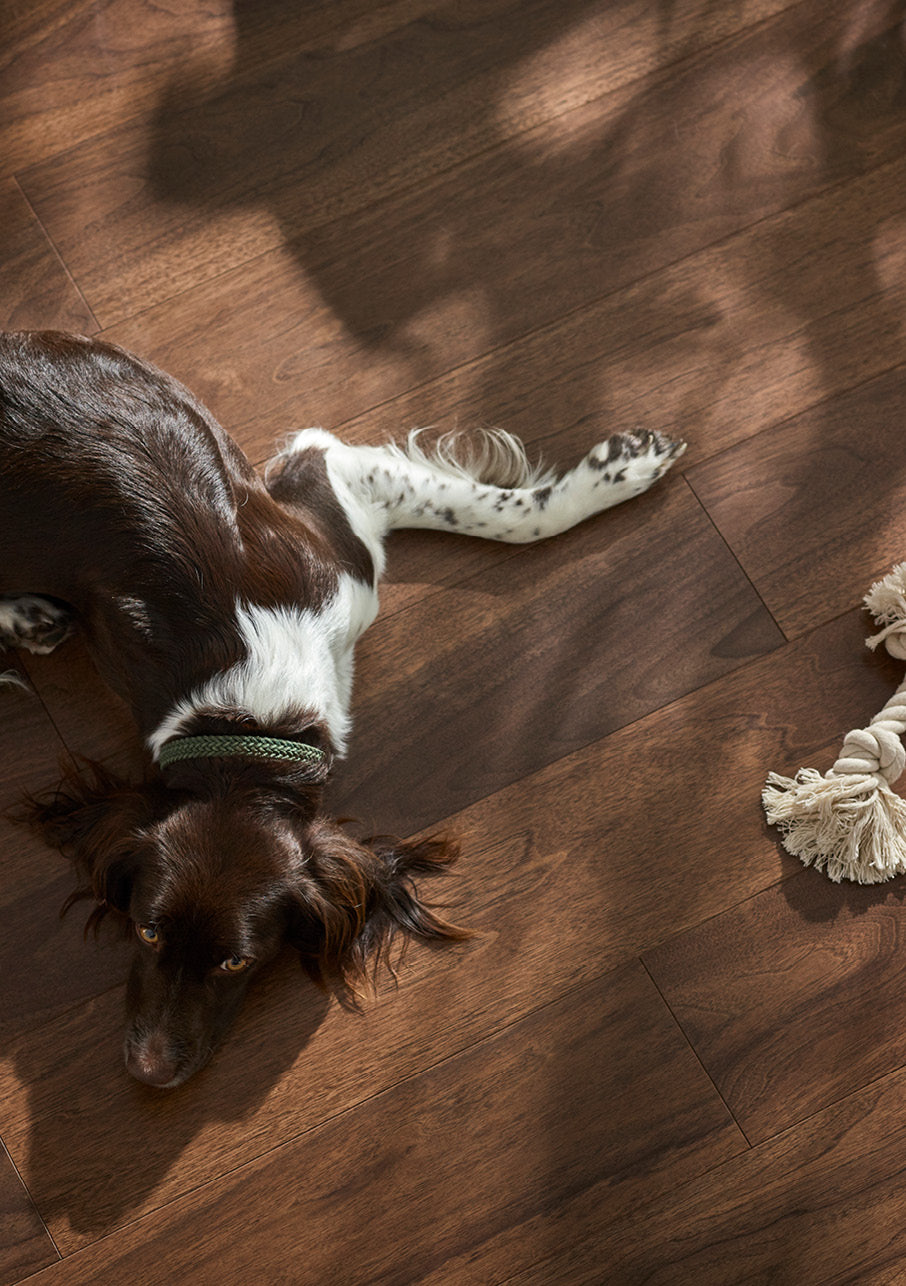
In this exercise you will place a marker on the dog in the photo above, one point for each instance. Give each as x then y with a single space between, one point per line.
223 607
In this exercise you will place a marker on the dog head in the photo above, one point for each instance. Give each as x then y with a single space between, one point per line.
212 888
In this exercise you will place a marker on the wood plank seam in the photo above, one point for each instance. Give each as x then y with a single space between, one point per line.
55 252
694 1051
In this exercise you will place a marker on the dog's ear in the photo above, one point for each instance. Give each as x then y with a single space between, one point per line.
353 899
94 818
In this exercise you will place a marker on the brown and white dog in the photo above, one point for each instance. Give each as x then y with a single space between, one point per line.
224 609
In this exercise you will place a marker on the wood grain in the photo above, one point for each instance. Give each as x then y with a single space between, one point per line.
797 1211
567 1100
44 965
44 962
494 692
443 280
25 1245
92 721
273 152
793 999
35 289
640 834
71 70
771 497
715 348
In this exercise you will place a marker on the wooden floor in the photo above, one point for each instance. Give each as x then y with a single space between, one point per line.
670 1054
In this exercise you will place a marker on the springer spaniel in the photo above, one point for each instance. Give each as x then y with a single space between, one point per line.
224 609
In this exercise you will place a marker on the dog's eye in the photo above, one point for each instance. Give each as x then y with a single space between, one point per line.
236 964
148 934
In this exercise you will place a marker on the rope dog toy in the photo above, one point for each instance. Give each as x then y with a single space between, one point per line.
850 822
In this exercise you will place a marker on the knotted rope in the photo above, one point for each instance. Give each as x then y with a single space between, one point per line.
849 821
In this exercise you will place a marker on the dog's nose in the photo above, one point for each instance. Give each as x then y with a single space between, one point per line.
151 1061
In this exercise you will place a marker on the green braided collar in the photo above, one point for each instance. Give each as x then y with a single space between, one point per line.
251 746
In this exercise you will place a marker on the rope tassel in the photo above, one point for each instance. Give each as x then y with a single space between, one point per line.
850 822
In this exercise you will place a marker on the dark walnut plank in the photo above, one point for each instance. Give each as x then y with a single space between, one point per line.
712 349
71 69
815 509
35 289
659 827
718 345
92 721
820 1205
25 1244
795 998
564 875
45 964
514 667
598 1089
552 213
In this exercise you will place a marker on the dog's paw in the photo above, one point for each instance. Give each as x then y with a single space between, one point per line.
34 623
634 461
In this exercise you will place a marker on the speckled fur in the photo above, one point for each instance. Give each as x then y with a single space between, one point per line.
483 484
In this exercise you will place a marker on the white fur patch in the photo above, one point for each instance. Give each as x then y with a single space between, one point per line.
295 658
345 468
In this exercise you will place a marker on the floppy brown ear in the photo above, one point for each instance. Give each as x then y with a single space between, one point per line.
94 818
355 898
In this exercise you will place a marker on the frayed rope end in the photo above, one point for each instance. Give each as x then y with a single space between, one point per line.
886 600
849 822
853 827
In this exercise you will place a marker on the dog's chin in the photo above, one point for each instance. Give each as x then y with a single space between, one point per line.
162 1067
